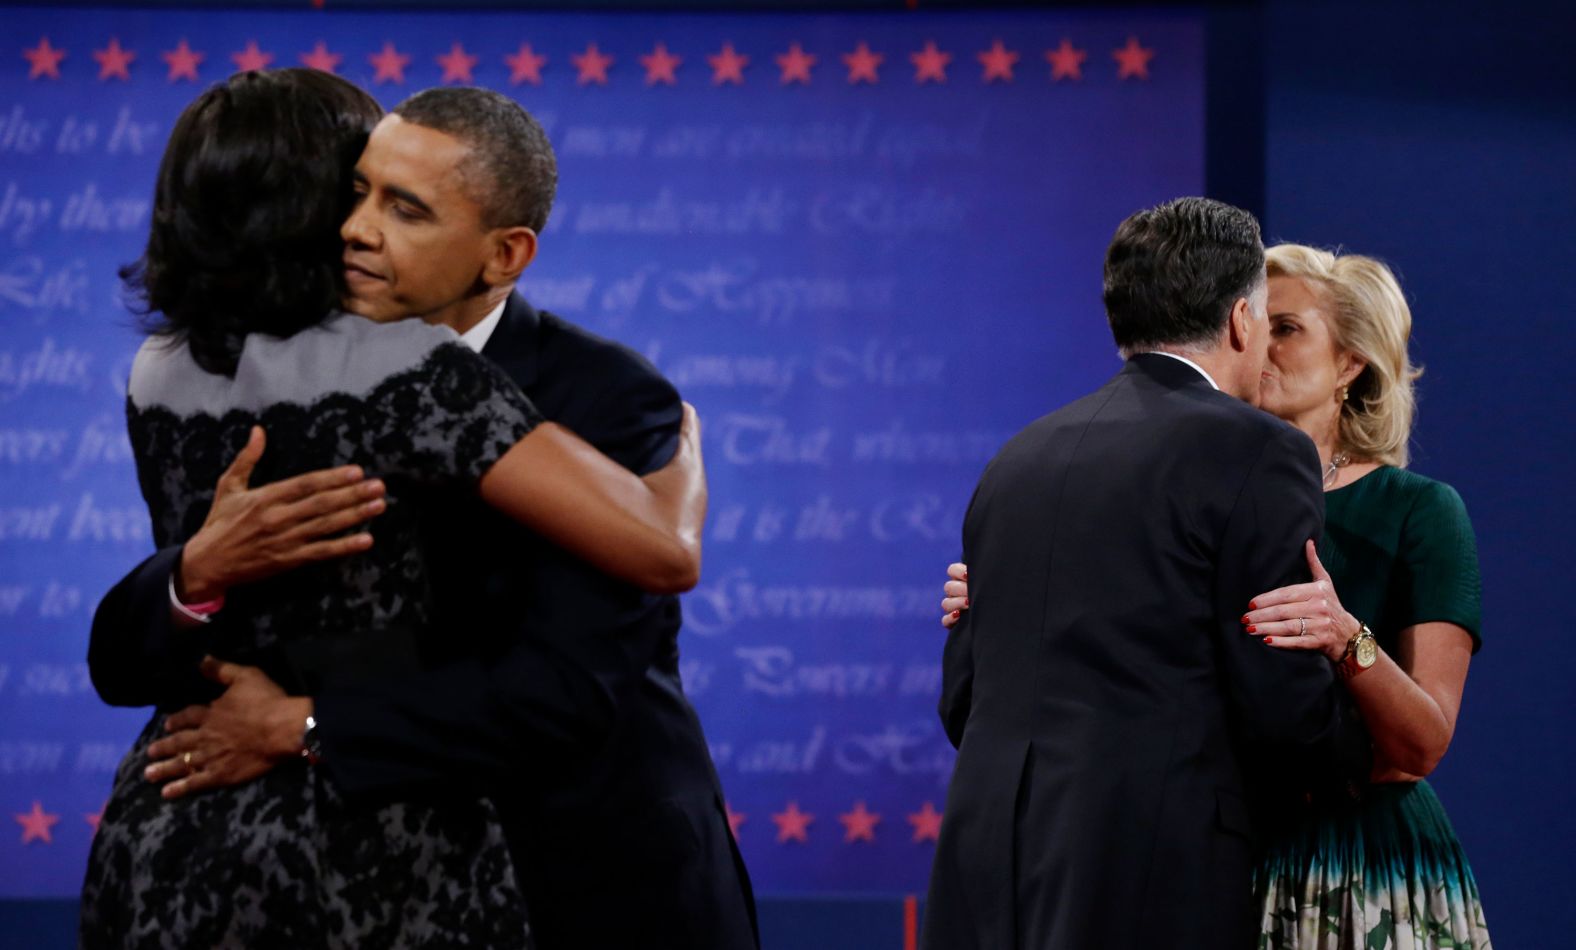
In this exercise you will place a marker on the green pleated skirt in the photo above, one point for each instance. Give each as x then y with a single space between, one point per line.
1384 874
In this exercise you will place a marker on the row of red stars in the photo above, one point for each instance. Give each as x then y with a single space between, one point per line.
36 823
859 824
591 66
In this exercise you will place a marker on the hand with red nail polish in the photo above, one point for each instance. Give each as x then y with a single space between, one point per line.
1305 616
957 595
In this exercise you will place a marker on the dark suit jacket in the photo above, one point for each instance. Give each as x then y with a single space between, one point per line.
547 684
1106 702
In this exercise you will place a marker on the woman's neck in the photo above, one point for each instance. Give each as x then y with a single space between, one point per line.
1337 467
1322 425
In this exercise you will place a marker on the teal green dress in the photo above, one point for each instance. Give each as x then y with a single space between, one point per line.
1383 871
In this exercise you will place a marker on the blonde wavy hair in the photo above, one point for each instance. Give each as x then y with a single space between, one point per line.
1368 316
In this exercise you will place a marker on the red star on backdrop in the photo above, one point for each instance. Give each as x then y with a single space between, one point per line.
862 64
859 824
94 819
45 60
660 65
113 60
319 58
926 822
792 824
735 819
251 59
183 61
998 62
930 64
526 66
36 824
457 64
389 64
727 66
593 65
1066 61
795 65
1132 60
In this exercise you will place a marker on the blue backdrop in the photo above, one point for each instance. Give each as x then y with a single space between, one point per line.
1440 135
867 247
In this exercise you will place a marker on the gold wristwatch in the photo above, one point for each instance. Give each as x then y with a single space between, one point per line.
1362 652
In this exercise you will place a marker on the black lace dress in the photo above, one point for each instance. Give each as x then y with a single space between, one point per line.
287 861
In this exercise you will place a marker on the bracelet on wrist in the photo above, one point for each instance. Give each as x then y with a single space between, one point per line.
199 613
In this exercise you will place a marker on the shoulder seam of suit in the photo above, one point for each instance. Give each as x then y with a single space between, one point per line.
595 346
1276 435
1061 491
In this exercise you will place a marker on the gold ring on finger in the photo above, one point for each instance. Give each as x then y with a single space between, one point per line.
187 759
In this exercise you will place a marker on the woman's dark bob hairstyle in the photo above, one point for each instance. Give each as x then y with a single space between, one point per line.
252 190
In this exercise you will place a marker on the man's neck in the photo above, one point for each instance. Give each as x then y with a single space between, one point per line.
466 312
1207 361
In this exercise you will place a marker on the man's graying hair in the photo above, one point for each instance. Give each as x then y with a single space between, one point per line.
1172 273
511 171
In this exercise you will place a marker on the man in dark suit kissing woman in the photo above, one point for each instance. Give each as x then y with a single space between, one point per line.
1115 726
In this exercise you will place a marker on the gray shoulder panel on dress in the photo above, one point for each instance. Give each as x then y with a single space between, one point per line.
344 354
164 374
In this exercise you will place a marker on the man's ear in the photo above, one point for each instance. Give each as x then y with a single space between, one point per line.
1240 325
513 250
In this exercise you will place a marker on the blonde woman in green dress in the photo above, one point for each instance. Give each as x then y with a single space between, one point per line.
1380 866
1376 866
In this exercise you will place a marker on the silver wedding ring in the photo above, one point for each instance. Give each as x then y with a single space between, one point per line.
187 758
1302 631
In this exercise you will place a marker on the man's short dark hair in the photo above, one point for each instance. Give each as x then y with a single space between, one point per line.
511 171
1172 273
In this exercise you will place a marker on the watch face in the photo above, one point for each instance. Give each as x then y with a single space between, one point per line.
1367 651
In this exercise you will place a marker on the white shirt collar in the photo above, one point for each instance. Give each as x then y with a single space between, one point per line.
476 337
1207 378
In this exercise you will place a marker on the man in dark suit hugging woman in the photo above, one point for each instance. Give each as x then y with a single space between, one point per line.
562 699
1112 717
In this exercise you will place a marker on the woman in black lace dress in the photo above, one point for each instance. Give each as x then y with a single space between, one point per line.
243 267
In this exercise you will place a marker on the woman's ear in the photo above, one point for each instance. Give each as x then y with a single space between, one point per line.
1350 366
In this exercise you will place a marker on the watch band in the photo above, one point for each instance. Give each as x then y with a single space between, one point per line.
1362 652
311 748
